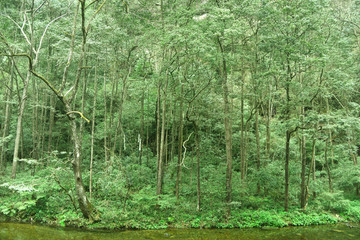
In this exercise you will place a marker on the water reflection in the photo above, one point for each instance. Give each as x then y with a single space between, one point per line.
16 231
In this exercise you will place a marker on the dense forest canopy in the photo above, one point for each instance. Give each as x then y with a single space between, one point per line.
145 109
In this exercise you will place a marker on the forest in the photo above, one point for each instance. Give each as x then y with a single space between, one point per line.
149 114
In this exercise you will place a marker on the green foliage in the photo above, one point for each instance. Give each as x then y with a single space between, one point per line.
305 219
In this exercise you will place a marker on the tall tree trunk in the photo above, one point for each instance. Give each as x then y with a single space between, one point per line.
268 119
197 145
227 128
106 149
147 130
51 123
290 76
43 116
257 135
180 138
85 206
19 126
162 142
198 191
35 119
158 121
118 124
242 139
311 170
287 159
93 133
303 160
142 122
328 167
23 100
83 97
5 129
303 169
114 95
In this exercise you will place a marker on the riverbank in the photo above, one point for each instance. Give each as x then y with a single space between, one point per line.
266 220
40 199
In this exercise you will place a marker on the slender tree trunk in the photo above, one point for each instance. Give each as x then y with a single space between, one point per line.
51 122
93 133
287 159
142 122
19 126
35 119
268 119
7 117
106 149
83 96
288 134
180 136
257 135
197 144
303 169
242 140
162 142
121 105
114 95
147 130
173 132
158 121
227 128
313 165
303 160
41 134
328 167
311 170
23 101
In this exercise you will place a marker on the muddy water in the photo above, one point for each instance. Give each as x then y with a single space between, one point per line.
16 231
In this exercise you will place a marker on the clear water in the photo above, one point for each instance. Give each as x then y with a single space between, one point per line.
17 231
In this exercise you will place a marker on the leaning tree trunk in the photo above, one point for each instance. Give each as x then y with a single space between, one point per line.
85 206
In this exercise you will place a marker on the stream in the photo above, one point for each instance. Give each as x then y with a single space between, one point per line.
18 231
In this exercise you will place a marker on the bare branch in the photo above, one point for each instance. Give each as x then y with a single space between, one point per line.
22 30
41 5
93 16
91 3
80 113
184 154
43 35
71 49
